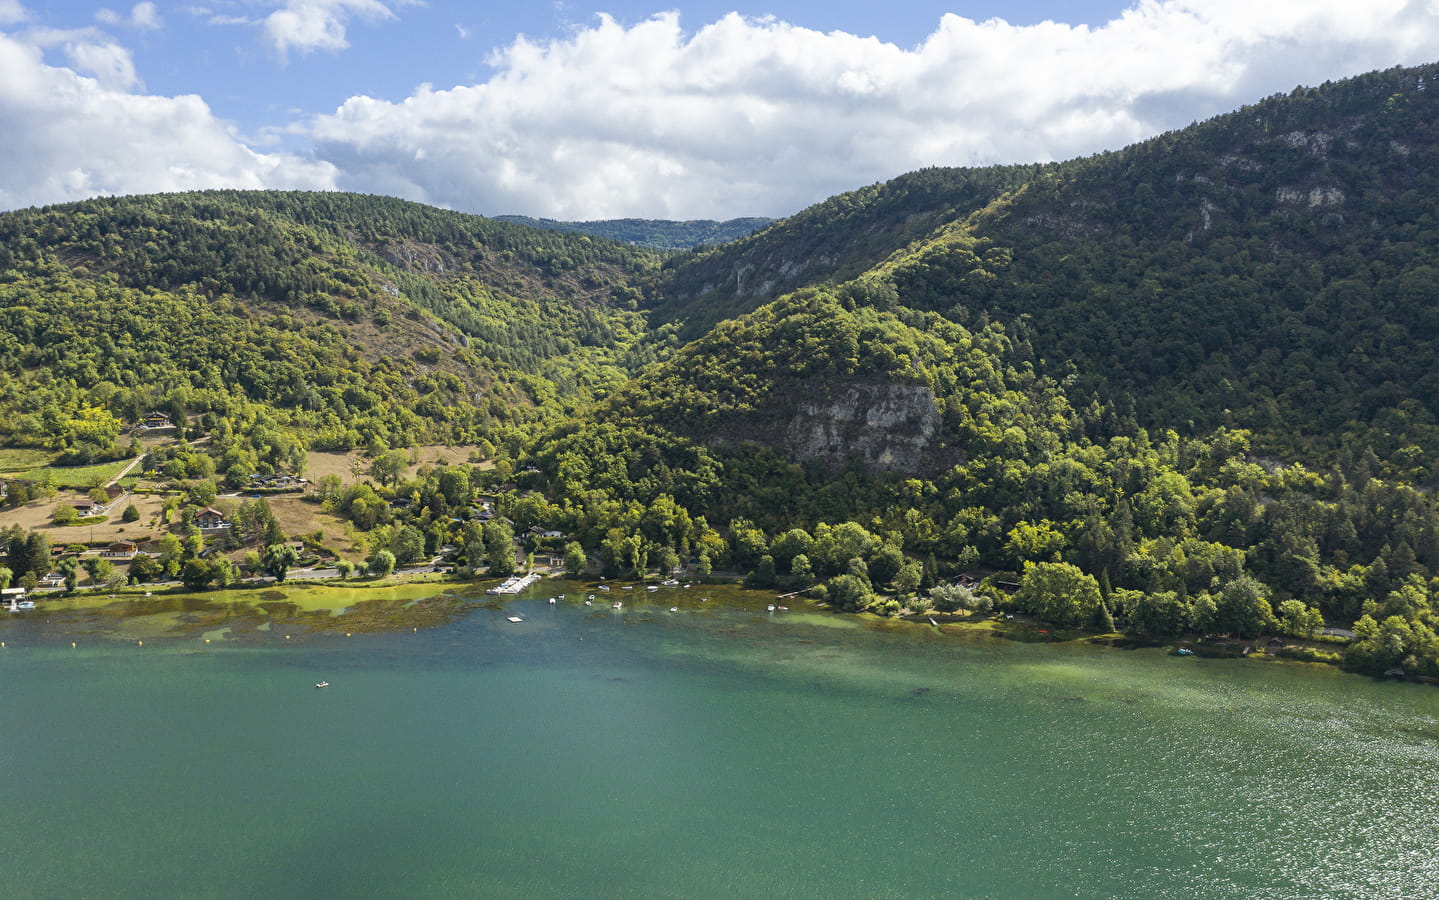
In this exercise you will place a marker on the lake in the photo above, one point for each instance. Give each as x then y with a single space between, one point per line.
715 751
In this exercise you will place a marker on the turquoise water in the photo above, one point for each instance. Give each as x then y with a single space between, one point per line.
711 752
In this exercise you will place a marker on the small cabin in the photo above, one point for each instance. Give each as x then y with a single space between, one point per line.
120 550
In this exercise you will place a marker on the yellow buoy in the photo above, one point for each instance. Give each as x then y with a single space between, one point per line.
72 643
287 637
207 640
141 643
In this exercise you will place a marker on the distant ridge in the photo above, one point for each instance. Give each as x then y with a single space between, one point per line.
656 234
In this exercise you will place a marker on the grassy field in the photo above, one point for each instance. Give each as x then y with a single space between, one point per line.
319 464
34 465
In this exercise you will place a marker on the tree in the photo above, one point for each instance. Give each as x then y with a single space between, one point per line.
278 558
907 579
669 560
345 568
1299 619
386 467
99 569
5 577
1159 614
131 514
382 563
65 514
848 592
499 547
574 559
1242 609
764 573
144 567
197 574
949 597
1060 593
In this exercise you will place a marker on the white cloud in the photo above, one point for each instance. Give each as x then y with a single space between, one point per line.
69 137
142 15
12 12
309 25
752 116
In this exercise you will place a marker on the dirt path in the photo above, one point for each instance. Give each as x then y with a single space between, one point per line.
125 471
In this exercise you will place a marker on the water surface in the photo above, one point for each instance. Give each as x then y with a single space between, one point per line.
719 750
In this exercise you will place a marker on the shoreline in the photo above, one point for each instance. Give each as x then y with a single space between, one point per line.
307 607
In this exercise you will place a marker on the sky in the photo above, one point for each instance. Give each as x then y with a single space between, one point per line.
589 110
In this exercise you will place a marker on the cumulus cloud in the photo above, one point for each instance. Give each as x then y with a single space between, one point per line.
757 116
11 12
68 137
142 15
309 25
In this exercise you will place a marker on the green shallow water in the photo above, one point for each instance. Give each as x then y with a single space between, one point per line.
712 752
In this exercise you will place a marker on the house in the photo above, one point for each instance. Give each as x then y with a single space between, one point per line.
155 420
14 593
553 534
210 519
277 482
51 580
88 507
120 550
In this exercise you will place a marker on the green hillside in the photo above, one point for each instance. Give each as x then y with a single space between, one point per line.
348 319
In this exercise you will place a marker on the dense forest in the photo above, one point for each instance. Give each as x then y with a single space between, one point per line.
1182 388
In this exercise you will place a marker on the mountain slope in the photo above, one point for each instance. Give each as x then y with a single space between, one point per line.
347 316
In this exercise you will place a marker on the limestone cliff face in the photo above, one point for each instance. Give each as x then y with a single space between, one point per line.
888 426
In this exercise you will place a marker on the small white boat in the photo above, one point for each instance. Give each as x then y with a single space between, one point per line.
651 588
552 601
674 609
562 596
771 607
589 603
669 583
933 622
322 684
25 604
590 597
628 587
515 619
604 587
782 608
618 604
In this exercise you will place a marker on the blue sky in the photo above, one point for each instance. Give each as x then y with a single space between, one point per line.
583 110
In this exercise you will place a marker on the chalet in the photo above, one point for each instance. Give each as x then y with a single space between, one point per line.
120 550
51 580
210 519
155 420
553 534
88 507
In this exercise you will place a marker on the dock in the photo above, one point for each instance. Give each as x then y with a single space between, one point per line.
515 584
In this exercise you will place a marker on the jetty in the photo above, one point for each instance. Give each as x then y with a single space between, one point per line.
515 584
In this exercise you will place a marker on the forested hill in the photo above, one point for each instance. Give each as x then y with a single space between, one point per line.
349 318
1276 268
656 234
